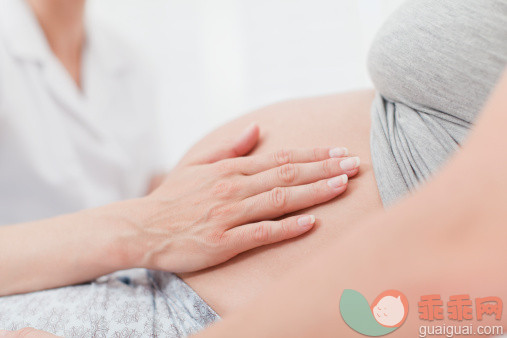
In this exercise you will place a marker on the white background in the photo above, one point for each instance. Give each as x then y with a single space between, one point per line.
218 59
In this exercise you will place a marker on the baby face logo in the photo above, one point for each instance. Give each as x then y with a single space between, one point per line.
387 312
390 308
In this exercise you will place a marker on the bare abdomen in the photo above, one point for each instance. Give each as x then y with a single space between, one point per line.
336 120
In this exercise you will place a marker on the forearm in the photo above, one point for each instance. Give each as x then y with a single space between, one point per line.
195 219
382 254
64 250
445 239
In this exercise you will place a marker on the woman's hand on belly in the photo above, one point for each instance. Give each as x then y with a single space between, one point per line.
215 205
322 121
212 207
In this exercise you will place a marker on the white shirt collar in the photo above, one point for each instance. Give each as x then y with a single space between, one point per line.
22 33
25 40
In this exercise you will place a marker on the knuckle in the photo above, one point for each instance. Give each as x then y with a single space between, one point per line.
227 246
316 191
220 212
316 153
261 233
328 167
226 167
282 157
221 248
284 228
225 189
287 173
216 238
278 197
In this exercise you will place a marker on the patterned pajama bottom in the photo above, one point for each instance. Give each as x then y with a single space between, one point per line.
131 303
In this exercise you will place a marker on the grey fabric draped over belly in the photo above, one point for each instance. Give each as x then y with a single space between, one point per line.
433 63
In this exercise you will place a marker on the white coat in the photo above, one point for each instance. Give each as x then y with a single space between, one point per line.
63 148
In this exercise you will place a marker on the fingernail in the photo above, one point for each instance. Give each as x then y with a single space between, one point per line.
338 152
338 181
350 163
306 220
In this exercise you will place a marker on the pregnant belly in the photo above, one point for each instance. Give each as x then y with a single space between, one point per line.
337 120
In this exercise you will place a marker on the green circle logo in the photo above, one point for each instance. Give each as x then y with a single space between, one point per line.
386 314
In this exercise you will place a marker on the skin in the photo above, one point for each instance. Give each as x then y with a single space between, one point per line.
236 197
26 332
321 121
214 205
426 249
63 25
294 307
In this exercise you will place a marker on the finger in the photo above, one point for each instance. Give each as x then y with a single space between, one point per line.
238 147
249 236
258 163
302 173
280 201
244 143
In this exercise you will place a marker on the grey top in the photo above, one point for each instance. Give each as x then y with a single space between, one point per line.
434 62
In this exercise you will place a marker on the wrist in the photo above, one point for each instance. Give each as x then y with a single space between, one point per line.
117 226
124 226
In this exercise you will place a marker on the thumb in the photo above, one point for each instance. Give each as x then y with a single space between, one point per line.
242 145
